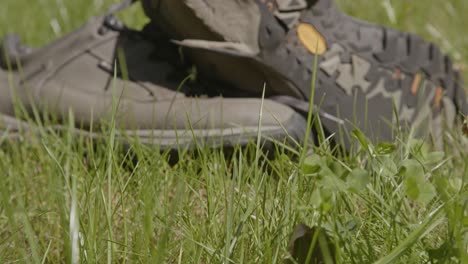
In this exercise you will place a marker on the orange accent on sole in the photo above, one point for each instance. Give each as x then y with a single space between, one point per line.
312 40
397 74
438 96
416 83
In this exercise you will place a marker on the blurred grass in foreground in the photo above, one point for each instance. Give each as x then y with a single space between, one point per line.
398 201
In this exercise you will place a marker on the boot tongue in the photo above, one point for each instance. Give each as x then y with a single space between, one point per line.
235 20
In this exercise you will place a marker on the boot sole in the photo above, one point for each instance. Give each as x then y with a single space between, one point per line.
365 70
14 128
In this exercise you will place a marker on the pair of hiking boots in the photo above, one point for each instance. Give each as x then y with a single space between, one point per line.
365 76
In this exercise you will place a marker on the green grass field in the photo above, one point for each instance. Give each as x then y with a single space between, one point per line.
63 199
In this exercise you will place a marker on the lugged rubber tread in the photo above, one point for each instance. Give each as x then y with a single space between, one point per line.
404 70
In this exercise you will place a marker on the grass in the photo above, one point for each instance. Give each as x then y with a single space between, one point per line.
67 199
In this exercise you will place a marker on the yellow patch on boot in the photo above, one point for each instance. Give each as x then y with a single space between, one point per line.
312 40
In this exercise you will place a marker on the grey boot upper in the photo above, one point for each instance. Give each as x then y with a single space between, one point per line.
76 73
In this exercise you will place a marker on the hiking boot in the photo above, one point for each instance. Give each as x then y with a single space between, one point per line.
155 100
364 72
